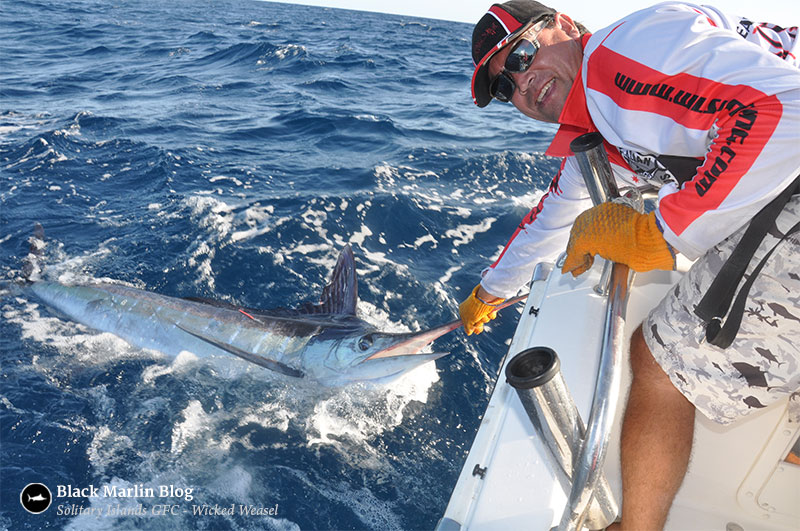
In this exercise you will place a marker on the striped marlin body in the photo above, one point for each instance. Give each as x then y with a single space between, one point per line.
325 342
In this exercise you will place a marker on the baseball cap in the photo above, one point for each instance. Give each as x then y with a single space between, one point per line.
499 26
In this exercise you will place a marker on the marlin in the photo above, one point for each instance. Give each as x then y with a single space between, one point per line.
325 342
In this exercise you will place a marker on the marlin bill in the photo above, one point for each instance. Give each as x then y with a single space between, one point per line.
325 342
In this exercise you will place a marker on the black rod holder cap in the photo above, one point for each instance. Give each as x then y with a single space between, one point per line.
586 142
532 367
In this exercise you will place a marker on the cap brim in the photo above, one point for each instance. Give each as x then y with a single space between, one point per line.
480 78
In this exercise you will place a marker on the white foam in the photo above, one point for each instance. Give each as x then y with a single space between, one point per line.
217 217
197 424
424 239
212 213
314 218
218 178
258 219
386 172
466 233
357 413
292 50
309 249
358 237
444 279
180 364
269 415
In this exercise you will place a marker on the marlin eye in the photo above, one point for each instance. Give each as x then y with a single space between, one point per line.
365 342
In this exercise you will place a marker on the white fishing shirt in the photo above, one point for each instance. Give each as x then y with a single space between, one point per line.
701 105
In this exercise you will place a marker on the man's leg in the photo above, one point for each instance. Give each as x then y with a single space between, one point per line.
656 441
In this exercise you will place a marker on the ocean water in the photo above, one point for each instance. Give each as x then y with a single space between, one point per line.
228 150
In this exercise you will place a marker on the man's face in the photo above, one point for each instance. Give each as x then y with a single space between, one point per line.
543 88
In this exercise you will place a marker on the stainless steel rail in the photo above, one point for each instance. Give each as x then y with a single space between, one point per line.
588 466
536 375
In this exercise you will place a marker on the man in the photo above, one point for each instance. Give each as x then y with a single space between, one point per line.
706 108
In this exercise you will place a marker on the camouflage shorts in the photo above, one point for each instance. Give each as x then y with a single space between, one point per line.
763 363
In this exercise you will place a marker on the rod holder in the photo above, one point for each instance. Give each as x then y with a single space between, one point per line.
595 168
535 374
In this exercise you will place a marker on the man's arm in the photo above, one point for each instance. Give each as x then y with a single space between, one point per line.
542 234
698 90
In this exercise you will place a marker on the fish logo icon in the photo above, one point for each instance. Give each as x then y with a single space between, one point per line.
35 498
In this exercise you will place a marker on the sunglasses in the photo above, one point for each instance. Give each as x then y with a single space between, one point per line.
518 61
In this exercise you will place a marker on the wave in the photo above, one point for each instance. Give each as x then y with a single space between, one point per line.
230 153
204 36
335 127
98 51
259 53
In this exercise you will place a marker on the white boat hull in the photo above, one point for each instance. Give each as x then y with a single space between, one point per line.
737 477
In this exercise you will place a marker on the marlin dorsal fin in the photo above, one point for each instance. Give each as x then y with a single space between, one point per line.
340 296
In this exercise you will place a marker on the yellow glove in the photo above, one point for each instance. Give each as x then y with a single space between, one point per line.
475 313
618 233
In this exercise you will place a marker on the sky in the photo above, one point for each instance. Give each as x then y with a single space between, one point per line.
593 14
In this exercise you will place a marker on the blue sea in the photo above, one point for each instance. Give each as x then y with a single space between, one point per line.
229 149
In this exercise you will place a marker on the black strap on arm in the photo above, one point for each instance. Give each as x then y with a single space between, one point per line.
717 300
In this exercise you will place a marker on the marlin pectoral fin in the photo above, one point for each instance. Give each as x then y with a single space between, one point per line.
249 356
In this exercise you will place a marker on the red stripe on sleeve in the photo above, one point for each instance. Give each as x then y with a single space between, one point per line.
741 139
746 118
689 100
